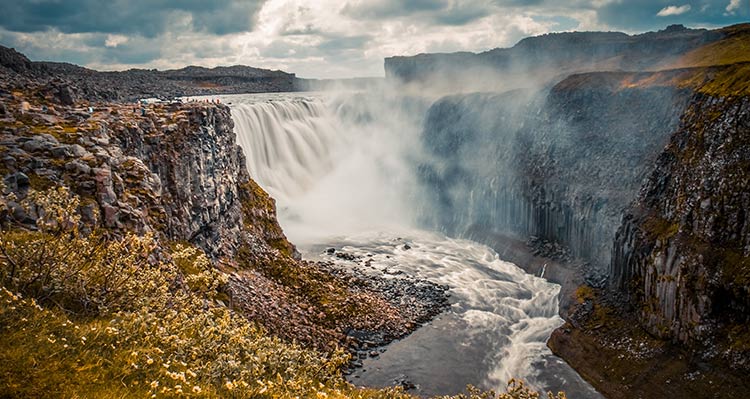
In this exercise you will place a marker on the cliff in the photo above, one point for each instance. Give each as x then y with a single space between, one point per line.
515 162
174 170
682 251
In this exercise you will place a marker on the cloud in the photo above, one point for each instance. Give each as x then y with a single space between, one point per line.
378 9
143 17
115 40
673 10
732 7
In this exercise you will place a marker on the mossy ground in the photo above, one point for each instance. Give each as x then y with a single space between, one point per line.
609 349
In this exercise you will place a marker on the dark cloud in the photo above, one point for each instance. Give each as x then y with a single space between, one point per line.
642 14
147 18
463 13
379 9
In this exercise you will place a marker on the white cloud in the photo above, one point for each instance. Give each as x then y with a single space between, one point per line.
115 40
673 10
733 6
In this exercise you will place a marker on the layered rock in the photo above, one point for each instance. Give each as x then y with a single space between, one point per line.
561 165
682 253
174 171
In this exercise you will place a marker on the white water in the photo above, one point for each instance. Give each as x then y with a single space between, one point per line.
342 171
332 169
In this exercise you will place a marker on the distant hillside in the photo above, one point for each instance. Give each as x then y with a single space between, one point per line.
551 57
139 83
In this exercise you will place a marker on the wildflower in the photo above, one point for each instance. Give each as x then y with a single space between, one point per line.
229 385
154 384
149 361
197 389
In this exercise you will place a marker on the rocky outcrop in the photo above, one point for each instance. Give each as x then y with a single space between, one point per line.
176 171
13 60
682 254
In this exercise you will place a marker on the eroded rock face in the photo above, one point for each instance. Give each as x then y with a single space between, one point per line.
682 252
175 171
561 165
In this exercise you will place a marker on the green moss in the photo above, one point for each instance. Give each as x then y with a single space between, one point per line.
259 217
735 267
584 293
40 183
660 228
739 337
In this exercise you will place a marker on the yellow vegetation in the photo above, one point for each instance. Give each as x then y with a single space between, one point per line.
99 317
734 48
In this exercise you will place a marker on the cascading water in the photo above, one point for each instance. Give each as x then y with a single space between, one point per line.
292 145
343 170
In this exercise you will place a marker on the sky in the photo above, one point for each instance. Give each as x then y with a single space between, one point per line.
318 38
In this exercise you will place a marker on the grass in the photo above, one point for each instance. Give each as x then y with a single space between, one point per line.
734 48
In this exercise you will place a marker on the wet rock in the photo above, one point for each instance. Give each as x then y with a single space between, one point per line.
404 382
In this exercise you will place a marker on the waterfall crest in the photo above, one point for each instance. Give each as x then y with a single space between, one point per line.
289 144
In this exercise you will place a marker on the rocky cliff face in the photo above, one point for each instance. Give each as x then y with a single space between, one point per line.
175 170
682 251
561 165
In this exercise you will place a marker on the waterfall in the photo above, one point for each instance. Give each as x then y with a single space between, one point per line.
334 163
289 143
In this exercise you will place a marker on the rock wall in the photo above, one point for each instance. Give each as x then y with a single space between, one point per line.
175 170
560 164
681 255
